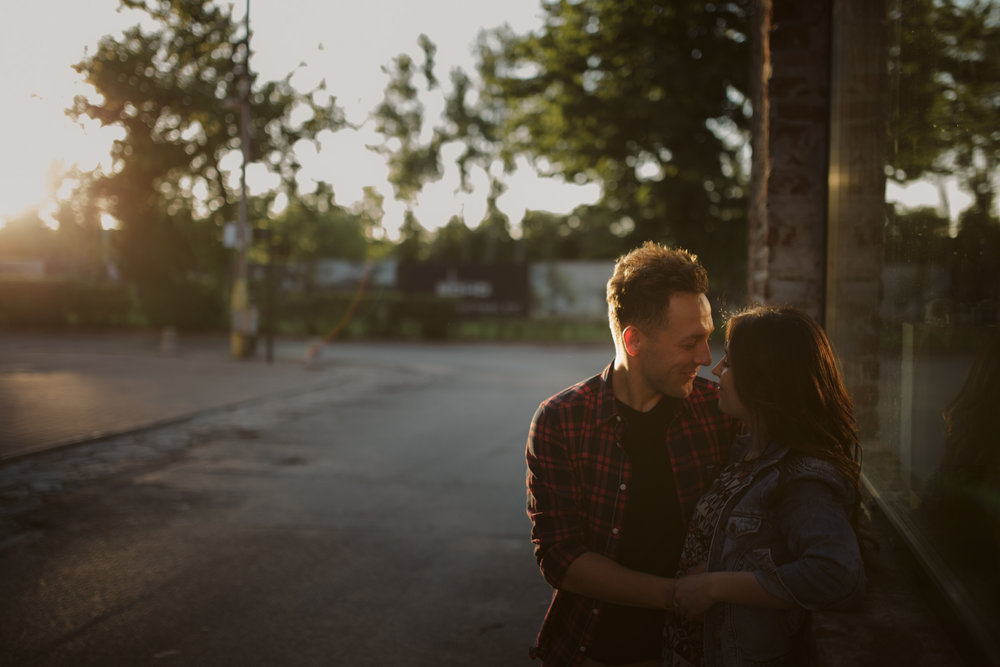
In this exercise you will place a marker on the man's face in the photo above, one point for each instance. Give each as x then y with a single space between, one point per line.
670 354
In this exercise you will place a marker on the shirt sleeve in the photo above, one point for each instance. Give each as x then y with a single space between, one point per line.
826 571
553 495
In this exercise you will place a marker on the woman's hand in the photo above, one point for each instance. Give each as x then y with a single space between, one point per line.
693 595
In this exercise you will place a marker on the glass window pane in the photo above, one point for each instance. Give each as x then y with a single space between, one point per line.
934 462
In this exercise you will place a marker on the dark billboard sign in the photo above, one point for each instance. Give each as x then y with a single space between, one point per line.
479 289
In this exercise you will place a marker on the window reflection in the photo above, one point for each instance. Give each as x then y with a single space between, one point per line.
933 461
961 503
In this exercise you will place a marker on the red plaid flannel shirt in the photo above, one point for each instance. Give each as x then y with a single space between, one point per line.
576 471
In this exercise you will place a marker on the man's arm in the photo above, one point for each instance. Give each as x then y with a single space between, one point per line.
695 595
599 577
557 531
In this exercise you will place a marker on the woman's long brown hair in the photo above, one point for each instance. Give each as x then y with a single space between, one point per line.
786 375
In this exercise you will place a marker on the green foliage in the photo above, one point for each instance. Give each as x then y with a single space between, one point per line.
945 79
81 247
412 246
493 232
587 233
62 303
176 91
645 97
313 226
26 236
369 315
451 242
400 117
976 264
915 237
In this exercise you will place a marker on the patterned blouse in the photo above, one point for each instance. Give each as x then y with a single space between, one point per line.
683 638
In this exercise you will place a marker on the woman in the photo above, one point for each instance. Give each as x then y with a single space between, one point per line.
775 535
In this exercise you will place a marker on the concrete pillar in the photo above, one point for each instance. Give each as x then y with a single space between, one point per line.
787 217
858 112
818 182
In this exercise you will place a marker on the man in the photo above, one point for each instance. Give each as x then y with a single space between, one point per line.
616 463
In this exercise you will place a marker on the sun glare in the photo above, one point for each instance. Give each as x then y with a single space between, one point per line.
41 146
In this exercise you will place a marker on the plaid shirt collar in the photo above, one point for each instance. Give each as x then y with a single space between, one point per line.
607 408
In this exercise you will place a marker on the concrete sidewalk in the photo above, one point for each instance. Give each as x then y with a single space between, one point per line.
63 389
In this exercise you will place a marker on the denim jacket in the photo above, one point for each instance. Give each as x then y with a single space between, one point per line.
788 524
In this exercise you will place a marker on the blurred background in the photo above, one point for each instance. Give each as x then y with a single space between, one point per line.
468 171
207 165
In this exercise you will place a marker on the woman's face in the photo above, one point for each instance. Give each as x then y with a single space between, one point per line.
729 399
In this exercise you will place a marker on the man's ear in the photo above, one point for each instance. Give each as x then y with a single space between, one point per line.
631 337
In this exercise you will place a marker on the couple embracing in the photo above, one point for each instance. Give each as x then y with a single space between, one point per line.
685 522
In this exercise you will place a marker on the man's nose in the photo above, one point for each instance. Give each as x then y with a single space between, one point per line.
704 357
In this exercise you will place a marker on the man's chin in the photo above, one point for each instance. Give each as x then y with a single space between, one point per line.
681 391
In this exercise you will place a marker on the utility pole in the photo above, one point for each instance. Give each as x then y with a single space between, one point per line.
244 314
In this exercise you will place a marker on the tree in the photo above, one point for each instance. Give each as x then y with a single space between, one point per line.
945 78
491 237
175 91
313 227
400 118
371 212
81 245
645 97
918 236
413 244
25 235
452 242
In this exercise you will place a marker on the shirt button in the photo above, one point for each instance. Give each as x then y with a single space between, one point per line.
582 649
614 531
594 610
623 486
618 444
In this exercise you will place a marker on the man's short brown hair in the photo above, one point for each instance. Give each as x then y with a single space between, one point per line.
643 281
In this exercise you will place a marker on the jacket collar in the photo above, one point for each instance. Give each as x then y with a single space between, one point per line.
772 454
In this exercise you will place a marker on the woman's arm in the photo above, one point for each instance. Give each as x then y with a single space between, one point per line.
825 572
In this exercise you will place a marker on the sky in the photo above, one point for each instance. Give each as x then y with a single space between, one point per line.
345 43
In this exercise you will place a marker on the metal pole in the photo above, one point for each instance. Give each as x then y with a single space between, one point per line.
269 299
241 339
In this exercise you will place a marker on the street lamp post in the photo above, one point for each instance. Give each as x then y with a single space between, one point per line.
244 316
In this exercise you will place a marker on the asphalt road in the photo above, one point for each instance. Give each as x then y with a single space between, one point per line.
376 518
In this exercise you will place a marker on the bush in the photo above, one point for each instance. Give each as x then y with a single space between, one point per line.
374 315
60 303
101 305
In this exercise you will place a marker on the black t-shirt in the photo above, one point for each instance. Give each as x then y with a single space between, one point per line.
651 535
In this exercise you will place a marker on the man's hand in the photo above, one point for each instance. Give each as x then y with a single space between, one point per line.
599 577
694 595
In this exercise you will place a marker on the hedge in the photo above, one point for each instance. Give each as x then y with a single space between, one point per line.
58 303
